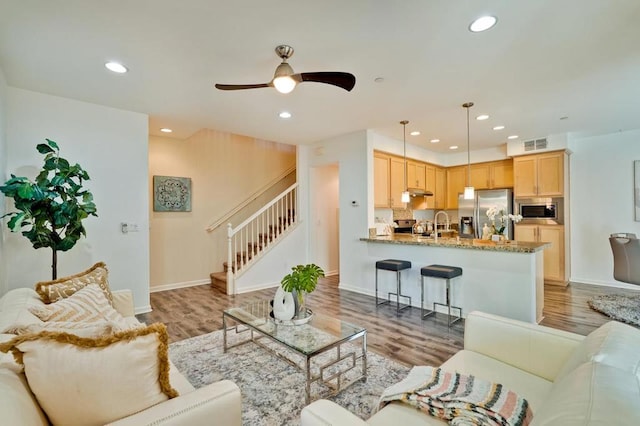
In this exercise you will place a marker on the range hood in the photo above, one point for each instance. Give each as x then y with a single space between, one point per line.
418 192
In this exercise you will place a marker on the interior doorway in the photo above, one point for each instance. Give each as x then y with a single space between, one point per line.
324 217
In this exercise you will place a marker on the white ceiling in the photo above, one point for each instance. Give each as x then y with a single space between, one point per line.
545 59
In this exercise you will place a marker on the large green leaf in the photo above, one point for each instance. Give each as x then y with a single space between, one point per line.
44 148
52 144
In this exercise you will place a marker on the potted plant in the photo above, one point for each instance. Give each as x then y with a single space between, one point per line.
302 280
53 206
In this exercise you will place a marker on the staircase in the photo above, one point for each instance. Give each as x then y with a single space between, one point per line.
255 236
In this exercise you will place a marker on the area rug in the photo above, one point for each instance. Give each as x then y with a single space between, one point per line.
619 307
272 389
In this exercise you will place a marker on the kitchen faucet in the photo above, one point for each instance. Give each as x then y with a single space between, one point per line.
435 221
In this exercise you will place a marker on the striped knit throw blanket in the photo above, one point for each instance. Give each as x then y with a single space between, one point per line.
461 400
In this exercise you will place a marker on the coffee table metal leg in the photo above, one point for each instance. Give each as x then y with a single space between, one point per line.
307 395
224 333
364 356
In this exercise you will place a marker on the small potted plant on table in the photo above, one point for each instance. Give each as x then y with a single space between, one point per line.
301 281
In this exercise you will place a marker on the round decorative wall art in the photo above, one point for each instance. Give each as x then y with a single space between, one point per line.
171 194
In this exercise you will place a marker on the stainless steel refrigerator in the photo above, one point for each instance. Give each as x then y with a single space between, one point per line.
472 214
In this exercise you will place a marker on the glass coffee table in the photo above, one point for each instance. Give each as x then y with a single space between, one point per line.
327 348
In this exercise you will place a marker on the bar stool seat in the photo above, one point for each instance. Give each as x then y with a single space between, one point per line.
396 266
445 272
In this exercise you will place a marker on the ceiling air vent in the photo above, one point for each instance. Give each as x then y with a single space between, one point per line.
535 144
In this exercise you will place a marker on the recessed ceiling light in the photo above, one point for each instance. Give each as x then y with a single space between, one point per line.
116 67
285 114
434 140
483 23
512 137
498 128
482 117
453 147
415 133
166 130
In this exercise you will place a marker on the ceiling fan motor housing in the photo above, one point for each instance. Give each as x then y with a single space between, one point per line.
284 52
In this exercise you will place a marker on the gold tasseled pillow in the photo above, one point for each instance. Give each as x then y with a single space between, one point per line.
52 291
87 381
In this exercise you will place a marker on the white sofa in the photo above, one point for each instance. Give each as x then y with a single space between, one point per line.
569 380
219 401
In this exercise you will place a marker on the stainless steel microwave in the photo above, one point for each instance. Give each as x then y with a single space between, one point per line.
541 210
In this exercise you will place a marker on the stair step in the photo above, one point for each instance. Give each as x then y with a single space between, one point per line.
219 281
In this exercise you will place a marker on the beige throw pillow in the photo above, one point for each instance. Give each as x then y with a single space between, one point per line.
52 291
80 381
80 329
86 305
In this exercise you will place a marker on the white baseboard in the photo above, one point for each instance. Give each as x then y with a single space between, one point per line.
142 309
258 287
173 286
614 284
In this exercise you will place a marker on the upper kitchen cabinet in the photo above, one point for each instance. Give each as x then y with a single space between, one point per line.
388 180
456 181
396 181
381 180
494 174
540 175
436 183
416 174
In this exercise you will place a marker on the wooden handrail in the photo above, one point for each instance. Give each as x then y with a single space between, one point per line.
263 209
214 225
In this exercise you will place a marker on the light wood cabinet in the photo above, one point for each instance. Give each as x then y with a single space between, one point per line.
539 175
554 256
435 182
396 182
456 181
494 174
381 180
502 174
416 174
480 176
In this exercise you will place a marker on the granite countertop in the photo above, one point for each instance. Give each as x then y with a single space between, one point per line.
475 244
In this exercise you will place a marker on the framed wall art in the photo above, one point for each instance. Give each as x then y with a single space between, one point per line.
636 188
171 194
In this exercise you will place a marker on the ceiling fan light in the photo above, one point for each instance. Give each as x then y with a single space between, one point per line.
284 84
469 193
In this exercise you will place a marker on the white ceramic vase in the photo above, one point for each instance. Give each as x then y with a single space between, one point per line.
284 306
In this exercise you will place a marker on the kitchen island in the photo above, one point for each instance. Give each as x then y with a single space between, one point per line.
504 278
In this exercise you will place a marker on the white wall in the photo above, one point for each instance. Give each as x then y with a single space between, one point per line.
225 170
111 145
355 165
3 177
324 218
602 203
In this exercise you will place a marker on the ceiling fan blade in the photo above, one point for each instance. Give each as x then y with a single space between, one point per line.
241 86
344 80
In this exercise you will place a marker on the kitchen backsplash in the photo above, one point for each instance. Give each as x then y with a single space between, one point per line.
402 214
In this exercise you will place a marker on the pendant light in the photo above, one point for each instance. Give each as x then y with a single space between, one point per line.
405 194
469 192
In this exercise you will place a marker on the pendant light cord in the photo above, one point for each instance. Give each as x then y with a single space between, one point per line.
468 153
468 105
404 141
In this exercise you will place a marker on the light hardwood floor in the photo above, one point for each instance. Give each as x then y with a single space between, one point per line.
405 338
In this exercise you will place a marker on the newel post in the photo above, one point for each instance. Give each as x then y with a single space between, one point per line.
231 285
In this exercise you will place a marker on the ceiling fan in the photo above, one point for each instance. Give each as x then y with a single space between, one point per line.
284 80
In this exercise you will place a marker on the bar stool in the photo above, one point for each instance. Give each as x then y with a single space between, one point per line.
440 271
396 266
